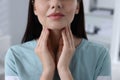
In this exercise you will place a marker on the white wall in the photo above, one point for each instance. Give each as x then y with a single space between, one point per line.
4 17
18 18
106 4
4 26
116 32
4 30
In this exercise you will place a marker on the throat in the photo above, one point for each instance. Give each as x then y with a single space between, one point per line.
54 43
54 40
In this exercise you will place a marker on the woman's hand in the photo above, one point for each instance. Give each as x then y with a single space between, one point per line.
65 53
46 56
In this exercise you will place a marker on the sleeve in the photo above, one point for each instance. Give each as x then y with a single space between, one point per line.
103 69
10 68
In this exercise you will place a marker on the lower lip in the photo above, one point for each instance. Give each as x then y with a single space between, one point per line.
55 17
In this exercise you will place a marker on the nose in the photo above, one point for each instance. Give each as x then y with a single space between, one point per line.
56 4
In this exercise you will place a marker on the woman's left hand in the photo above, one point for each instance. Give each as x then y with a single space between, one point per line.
65 53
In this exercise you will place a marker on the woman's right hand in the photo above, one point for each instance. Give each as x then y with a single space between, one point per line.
46 55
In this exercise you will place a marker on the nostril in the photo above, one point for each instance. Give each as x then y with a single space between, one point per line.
56 6
59 6
53 7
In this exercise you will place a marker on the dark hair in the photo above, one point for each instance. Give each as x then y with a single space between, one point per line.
34 28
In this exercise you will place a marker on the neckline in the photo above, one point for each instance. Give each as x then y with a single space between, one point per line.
81 43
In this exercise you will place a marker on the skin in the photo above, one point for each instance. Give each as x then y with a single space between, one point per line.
56 44
67 7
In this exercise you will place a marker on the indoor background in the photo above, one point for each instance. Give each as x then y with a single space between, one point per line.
102 25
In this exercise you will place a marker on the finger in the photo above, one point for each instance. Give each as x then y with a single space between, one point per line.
68 36
45 37
60 48
71 36
60 44
64 37
40 37
50 49
42 42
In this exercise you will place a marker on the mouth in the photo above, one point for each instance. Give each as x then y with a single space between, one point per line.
56 16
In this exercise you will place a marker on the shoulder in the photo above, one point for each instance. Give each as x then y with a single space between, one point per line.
94 57
21 50
26 45
86 44
19 57
92 48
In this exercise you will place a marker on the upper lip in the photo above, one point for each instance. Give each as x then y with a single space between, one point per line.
55 14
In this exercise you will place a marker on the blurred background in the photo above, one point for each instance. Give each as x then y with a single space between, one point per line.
102 25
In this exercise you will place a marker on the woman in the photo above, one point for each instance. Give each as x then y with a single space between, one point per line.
55 46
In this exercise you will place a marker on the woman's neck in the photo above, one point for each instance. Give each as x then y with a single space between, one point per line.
54 38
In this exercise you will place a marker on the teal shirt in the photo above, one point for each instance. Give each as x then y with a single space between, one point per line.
89 61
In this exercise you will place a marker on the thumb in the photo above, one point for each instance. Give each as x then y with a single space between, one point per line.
59 48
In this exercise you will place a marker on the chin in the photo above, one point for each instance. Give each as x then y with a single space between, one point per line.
56 27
